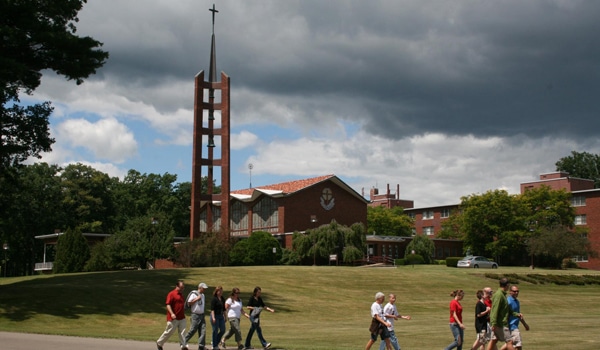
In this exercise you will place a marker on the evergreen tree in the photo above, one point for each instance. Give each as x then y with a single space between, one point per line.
72 252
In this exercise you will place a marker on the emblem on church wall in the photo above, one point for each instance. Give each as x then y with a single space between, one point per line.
327 200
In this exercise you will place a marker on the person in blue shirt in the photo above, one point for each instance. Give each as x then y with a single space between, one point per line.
513 320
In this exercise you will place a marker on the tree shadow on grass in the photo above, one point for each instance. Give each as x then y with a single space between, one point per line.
102 293
72 296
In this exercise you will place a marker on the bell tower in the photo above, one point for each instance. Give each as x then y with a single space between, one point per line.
210 210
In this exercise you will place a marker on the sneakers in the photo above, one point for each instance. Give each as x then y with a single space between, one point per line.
222 343
158 347
268 345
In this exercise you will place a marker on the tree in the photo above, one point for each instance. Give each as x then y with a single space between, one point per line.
389 222
315 245
558 243
581 164
422 246
72 252
256 250
485 218
37 35
87 199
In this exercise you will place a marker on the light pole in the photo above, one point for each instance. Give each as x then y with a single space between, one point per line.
5 248
313 219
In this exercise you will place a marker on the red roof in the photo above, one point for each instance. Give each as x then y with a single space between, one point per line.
286 187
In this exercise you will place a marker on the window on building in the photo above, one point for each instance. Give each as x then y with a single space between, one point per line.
578 201
265 215
239 217
414 231
445 213
427 214
580 258
428 230
580 219
411 215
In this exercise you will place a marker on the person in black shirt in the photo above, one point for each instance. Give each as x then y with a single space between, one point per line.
255 307
217 316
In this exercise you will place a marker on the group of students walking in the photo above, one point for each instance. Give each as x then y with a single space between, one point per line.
497 318
221 308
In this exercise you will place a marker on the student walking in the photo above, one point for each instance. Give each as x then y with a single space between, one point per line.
197 304
234 310
390 312
457 326
377 316
175 316
217 317
256 305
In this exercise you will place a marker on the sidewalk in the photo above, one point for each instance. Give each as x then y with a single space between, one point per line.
28 341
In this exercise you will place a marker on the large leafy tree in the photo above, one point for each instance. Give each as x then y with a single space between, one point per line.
87 200
37 35
389 222
581 164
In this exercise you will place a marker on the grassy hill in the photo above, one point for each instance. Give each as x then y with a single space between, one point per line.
316 307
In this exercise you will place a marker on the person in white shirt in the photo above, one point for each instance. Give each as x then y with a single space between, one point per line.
234 310
390 312
197 302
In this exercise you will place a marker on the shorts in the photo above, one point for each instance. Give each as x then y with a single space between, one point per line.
502 334
515 334
385 333
483 337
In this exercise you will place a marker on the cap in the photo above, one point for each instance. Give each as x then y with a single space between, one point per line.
203 285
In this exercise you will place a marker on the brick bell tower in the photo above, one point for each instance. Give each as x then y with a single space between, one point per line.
210 211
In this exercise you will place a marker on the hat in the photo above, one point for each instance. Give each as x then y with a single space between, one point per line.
203 285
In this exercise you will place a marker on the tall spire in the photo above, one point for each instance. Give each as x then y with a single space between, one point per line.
212 74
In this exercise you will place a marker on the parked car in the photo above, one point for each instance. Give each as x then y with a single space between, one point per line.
477 262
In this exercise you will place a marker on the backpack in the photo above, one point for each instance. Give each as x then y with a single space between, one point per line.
187 305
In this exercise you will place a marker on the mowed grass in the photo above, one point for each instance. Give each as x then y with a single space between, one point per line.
316 307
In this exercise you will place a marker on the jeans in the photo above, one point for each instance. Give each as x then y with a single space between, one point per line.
458 334
393 341
198 324
255 326
218 330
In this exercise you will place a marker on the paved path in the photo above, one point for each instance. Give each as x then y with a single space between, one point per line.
27 341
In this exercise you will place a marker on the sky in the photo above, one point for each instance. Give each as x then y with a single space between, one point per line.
444 98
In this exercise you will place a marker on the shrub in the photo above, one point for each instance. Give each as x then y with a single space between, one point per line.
414 259
451 261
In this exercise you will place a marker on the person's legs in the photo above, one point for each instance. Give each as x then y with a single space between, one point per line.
260 335
166 334
202 332
193 327
456 334
250 334
371 341
181 324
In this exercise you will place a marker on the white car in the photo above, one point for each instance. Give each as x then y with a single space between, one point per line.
477 262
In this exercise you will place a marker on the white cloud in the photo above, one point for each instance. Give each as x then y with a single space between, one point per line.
106 138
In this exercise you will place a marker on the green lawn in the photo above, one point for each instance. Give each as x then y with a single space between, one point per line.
316 307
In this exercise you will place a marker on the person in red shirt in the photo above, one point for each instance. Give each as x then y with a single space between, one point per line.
456 324
175 317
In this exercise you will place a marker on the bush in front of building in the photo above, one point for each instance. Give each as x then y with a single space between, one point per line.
414 259
451 261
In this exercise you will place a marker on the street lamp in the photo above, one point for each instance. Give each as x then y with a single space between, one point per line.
313 219
5 248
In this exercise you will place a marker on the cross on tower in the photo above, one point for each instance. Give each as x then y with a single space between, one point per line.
213 10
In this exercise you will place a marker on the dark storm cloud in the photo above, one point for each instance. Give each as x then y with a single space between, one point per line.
488 68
